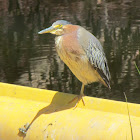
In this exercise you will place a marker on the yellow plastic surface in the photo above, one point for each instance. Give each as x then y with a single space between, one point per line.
52 118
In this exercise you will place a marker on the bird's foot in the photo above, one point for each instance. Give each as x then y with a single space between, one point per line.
78 98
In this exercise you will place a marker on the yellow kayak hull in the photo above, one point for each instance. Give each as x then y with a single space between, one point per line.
53 118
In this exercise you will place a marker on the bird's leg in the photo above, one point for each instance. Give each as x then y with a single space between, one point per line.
82 93
79 97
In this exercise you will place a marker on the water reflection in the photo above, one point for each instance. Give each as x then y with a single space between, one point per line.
31 60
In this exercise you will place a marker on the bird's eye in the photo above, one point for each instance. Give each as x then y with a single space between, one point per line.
58 26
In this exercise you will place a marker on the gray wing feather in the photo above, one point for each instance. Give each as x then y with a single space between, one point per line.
95 54
98 60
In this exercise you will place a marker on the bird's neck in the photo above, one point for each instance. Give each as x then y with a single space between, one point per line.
68 29
58 40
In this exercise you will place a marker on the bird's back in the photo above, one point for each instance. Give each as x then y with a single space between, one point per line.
95 54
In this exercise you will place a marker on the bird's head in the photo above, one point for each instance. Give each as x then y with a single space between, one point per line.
57 28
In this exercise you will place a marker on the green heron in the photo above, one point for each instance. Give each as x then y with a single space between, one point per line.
82 52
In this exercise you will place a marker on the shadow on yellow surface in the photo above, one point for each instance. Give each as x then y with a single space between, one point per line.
56 105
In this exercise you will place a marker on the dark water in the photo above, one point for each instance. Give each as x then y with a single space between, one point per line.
29 59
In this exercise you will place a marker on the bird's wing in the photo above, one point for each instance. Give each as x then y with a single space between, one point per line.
95 54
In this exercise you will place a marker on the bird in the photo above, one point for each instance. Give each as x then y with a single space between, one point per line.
82 52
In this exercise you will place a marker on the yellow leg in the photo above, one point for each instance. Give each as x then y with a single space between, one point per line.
82 93
79 97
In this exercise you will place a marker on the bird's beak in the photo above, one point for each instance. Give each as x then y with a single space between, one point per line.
47 30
